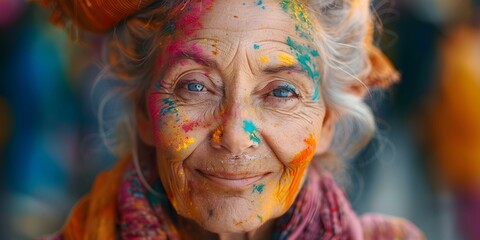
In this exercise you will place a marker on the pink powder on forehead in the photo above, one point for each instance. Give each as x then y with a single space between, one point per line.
185 26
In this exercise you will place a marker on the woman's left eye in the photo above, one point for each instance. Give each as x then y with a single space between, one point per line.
284 92
195 87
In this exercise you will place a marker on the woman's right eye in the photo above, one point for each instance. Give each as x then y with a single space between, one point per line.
195 87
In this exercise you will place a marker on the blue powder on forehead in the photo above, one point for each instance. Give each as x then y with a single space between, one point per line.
169 27
306 58
260 3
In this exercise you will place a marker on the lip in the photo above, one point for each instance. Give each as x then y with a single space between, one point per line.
233 180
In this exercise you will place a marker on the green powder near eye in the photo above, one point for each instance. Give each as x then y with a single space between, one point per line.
252 130
169 108
306 58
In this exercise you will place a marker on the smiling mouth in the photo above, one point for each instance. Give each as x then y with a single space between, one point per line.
233 180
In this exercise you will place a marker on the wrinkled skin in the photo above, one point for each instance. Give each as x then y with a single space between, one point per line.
233 116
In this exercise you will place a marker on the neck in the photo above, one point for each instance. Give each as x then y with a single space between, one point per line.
191 230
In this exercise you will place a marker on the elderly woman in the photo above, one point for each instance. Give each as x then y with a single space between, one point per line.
232 109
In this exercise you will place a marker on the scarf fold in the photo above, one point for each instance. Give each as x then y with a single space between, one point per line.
319 211
119 206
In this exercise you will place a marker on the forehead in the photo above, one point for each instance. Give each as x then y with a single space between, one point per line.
238 16
266 19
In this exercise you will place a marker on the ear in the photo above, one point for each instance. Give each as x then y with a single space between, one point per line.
326 135
144 127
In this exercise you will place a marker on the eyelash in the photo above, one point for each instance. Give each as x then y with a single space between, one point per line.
290 90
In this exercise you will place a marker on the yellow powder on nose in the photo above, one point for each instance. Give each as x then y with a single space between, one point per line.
217 134
264 59
185 144
286 59
245 113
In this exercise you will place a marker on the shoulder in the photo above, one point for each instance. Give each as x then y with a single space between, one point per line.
378 226
95 215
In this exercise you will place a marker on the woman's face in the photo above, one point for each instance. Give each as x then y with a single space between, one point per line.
236 115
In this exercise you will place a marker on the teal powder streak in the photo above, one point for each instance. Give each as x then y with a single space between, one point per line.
170 108
256 46
305 56
260 3
157 86
303 30
258 188
252 130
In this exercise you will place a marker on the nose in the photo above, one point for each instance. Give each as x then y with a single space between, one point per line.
236 134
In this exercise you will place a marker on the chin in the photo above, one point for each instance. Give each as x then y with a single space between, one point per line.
226 214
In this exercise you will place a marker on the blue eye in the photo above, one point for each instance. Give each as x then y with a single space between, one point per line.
284 92
195 87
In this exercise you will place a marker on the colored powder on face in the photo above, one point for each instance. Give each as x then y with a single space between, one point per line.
260 3
304 157
264 59
189 125
298 166
169 27
183 26
217 135
306 57
298 12
185 144
256 46
260 218
252 130
215 46
286 59
157 86
258 188
169 108
189 23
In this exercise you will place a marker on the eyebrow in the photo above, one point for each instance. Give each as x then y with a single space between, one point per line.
283 68
198 58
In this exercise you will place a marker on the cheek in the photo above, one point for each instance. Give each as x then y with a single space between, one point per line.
172 128
295 171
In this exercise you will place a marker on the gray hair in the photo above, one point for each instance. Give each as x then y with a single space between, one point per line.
133 45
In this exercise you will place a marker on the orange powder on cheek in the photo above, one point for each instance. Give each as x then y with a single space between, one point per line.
217 134
296 170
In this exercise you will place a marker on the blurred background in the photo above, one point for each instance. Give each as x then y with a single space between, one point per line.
423 164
